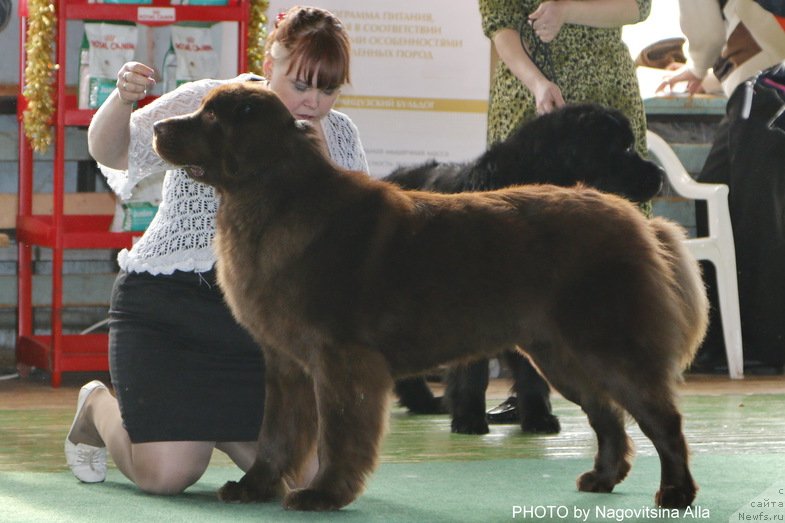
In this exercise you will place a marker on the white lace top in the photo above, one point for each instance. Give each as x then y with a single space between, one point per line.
180 235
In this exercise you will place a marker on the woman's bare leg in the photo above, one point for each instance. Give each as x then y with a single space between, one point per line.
166 467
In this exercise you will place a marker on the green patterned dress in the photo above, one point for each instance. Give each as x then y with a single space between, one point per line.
590 65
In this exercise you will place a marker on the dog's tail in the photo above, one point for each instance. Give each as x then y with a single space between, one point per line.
689 286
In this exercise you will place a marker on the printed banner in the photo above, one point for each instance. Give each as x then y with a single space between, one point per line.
420 78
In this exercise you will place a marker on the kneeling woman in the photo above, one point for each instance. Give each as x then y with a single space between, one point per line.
187 377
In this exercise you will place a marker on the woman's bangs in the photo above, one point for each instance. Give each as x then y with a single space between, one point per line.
332 67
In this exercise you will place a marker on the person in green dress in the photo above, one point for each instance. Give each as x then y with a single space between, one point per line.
553 53
578 53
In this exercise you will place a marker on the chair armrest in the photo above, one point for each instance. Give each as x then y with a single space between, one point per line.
678 177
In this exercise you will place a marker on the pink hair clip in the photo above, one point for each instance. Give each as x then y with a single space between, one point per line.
280 17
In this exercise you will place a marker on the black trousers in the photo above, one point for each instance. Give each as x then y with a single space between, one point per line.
749 157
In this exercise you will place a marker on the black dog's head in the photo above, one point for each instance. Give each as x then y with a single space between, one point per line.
239 131
583 143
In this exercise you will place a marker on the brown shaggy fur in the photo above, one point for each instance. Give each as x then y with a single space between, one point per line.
349 282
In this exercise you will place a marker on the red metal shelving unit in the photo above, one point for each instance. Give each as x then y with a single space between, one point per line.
58 352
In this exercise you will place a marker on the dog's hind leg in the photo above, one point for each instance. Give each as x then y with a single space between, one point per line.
288 434
353 386
660 420
611 463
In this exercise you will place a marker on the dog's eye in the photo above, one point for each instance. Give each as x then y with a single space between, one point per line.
209 115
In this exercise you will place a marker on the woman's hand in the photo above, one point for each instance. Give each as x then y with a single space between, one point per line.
683 74
134 79
547 96
108 136
547 20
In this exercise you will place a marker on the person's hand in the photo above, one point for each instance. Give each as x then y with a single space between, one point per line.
547 20
682 74
134 79
547 97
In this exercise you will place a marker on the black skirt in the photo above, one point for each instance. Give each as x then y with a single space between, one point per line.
181 366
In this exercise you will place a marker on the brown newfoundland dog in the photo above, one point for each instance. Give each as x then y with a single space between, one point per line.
349 282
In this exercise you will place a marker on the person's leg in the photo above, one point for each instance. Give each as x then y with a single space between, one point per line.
166 467
185 375
242 453
757 213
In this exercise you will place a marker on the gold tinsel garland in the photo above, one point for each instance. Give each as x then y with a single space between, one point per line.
257 34
40 68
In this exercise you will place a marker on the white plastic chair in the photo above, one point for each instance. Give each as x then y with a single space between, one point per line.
717 247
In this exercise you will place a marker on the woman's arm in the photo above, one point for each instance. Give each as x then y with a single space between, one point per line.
108 136
702 23
601 13
549 17
547 94
342 139
360 160
121 140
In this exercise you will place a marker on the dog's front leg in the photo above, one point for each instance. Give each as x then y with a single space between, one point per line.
465 395
353 386
288 434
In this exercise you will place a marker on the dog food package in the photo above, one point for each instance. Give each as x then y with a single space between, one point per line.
136 213
83 99
105 48
191 56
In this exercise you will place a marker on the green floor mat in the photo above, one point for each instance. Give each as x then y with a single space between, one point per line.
733 488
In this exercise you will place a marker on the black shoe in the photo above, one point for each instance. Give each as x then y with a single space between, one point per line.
505 413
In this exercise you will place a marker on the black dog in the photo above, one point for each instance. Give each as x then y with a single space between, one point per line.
583 143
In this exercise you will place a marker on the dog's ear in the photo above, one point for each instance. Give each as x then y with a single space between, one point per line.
614 127
231 166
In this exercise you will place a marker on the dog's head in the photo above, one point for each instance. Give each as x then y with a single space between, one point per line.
239 131
583 143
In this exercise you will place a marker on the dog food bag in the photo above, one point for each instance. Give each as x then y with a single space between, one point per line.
191 56
83 99
136 213
105 48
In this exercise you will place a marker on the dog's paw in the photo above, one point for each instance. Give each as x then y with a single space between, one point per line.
546 424
313 500
673 497
244 492
232 492
592 482
469 425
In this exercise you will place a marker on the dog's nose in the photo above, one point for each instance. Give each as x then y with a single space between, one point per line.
159 129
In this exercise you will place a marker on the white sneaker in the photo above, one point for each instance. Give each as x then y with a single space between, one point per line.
88 463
